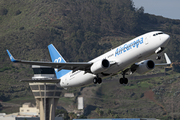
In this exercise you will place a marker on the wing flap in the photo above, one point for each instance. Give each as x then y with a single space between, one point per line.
60 66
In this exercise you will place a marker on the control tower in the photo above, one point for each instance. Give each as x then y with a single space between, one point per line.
46 93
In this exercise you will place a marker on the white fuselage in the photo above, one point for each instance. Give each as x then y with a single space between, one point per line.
123 56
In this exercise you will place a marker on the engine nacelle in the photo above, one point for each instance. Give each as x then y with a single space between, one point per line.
100 66
145 66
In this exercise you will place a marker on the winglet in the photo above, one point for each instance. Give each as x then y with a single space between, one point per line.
168 61
11 57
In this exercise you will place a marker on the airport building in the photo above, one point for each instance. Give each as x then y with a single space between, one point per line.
28 109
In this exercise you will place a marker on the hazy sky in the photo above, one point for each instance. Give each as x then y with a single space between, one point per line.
165 8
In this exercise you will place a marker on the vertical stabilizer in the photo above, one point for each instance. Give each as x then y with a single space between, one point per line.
57 58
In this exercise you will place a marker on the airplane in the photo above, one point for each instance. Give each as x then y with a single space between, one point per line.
125 59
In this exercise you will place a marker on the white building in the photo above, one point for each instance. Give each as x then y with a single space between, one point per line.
80 103
28 109
2 115
69 95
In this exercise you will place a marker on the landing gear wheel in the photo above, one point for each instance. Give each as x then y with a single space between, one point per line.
99 80
123 80
95 80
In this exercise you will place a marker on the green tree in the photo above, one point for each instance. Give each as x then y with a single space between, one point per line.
101 113
72 116
109 112
62 112
97 110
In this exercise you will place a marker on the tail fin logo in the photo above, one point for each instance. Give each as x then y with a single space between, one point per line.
57 60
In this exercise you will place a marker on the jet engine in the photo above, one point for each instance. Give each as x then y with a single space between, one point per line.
100 66
145 66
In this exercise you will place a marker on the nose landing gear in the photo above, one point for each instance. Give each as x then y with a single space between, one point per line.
158 57
159 50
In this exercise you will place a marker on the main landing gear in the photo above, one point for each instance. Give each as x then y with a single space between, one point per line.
123 80
97 80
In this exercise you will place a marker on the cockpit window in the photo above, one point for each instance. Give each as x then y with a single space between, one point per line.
158 34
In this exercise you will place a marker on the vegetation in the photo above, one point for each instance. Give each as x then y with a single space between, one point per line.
157 101
62 113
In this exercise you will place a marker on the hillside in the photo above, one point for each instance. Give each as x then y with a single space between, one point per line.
153 95
79 29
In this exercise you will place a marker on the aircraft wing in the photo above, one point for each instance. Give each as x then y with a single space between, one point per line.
68 66
133 68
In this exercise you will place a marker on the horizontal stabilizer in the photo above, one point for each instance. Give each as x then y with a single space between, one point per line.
42 81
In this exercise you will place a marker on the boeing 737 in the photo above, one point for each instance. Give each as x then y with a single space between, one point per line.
126 59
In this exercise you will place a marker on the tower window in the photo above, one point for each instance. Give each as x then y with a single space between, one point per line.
43 70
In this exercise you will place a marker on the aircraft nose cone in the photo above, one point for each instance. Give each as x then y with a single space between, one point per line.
166 37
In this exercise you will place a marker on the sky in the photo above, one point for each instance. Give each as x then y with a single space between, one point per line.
165 8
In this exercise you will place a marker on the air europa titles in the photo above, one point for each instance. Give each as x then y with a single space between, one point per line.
128 46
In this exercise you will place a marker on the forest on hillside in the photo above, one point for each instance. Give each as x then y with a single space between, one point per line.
76 27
